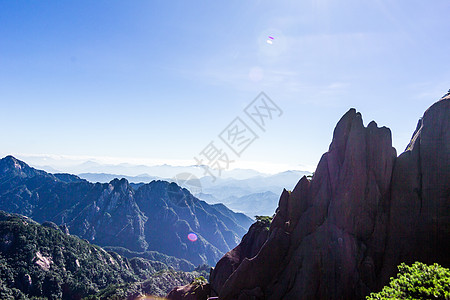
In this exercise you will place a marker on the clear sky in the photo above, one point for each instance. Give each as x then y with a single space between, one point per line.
159 80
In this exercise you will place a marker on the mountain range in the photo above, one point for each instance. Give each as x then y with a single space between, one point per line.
254 195
157 216
239 189
52 164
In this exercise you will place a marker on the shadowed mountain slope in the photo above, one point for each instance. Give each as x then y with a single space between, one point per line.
341 234
158 216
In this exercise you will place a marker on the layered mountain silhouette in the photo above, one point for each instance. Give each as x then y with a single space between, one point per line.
341 234
256 204
157 216
255 195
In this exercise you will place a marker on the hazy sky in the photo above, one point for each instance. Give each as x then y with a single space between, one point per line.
157 81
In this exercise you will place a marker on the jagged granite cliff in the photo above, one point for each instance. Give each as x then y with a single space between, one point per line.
157 216
341 234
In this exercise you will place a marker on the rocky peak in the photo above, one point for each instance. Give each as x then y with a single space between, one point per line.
419 214
121 186
250 245
341 234
447 95
11 166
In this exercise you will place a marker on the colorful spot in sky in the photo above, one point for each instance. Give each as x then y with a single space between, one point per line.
192 237
270 40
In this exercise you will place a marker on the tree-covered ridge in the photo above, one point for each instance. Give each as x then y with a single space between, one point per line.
44 262
159 283
170 261
418 281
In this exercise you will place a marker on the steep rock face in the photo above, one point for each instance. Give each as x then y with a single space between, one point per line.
100 221
250 245
419 227
175 213
320 232
341 235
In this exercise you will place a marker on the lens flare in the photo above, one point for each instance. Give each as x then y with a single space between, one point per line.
256 74
192 237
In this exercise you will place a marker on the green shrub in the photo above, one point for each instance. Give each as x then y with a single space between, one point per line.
418 281
264 221
199 281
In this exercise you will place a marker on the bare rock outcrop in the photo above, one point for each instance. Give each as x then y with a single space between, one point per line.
191 291
419 226
341 234
250 245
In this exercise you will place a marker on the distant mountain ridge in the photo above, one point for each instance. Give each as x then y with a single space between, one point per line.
254 204
256 195
130 170
157 216
105 177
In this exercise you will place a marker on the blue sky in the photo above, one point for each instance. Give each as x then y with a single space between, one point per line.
156 81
